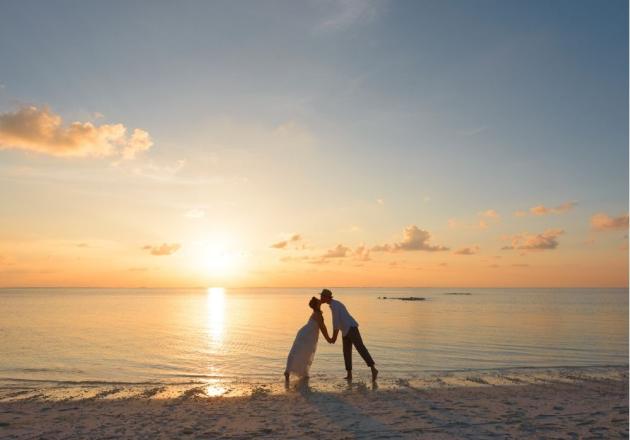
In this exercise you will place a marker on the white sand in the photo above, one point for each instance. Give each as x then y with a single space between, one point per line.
549 403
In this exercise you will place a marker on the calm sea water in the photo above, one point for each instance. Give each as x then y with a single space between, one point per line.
146 335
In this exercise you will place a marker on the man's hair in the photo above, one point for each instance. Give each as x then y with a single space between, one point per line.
326 292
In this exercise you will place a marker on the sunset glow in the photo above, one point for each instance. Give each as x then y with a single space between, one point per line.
216 314
174 156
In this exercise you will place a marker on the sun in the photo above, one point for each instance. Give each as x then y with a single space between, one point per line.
219 258
220 262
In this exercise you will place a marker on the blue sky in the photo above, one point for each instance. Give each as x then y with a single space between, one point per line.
440 109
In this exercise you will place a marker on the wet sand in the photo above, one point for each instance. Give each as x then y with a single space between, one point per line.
527 403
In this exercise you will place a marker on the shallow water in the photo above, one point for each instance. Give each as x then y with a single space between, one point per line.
232 336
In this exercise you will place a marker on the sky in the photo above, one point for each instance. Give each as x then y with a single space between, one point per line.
314 143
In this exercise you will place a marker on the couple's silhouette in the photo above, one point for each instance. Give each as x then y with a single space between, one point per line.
304 346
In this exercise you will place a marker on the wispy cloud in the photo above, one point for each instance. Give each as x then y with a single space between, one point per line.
414 239
490 213
362 253
163 249
541 210
40 130
604 222
284 243
483 221
487 217
471 250
155 171
346 13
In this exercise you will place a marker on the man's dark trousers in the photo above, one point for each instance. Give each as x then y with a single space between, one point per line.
354 338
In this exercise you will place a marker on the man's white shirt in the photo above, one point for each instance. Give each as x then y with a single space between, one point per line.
341 319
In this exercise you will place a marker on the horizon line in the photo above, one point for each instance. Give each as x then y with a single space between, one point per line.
311 287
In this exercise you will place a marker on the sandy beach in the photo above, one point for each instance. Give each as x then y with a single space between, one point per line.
527 403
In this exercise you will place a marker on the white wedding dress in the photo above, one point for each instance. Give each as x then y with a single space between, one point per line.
303 350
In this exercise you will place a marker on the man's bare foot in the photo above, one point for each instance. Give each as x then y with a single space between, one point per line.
374 374
349 376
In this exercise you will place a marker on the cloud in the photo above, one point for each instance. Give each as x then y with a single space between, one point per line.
284 243
289 258
547 240
163 249
565 207
158 172
541 210
349 12
339 251
40 130
362 253
603 222
487 217
490 213
414 239
472 250
520 213
483 221
380 201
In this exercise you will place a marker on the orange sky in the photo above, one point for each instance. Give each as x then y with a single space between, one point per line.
354 144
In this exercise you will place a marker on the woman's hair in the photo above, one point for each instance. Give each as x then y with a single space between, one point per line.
314 304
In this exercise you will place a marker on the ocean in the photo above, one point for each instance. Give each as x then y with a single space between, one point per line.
231 336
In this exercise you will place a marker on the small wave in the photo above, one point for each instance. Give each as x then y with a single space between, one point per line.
528 368
43 370
96 382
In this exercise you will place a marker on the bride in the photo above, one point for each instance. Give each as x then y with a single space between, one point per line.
303 349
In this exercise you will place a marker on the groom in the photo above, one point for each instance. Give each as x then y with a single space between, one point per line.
342 320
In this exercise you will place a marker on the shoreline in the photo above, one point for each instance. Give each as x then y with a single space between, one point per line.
13 389
521 403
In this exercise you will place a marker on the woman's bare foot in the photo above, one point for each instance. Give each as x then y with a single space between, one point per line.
374 374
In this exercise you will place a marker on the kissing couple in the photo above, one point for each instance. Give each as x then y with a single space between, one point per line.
303 350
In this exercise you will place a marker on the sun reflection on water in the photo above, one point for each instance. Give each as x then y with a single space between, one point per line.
216 314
